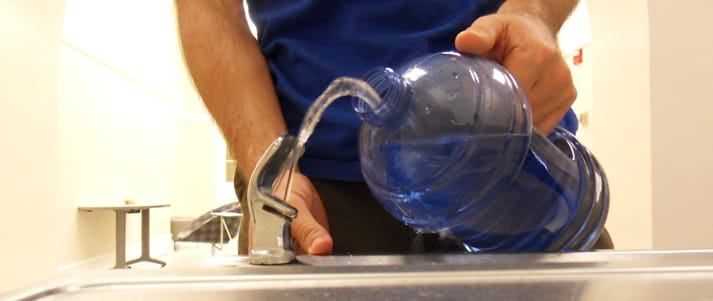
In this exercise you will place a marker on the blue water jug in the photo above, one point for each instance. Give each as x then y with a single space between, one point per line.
451 147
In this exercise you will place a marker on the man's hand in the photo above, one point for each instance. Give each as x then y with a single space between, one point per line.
310 229
528 48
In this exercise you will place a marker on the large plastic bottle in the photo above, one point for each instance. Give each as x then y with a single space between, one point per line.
451 147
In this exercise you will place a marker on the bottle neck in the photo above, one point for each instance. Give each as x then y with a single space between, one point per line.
395 94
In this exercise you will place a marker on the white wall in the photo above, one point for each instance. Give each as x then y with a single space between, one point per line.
620 118
576 34
96 107
613 96
29 52
582 76
612 103
681 110
650 119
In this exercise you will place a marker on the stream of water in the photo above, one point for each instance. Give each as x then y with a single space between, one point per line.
338 88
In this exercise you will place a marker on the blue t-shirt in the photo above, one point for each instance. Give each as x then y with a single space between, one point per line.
309 43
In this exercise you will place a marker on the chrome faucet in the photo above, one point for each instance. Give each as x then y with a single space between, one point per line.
270 232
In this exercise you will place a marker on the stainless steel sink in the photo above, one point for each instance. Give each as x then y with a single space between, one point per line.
607 275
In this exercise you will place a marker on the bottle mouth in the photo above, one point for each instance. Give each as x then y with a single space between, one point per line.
392 90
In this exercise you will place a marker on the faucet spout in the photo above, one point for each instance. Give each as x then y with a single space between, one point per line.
270 232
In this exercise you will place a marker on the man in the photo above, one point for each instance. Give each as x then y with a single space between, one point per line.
257 91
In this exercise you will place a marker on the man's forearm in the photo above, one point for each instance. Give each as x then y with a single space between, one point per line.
552 12
231 76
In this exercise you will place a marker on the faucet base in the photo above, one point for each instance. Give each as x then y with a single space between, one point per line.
270 257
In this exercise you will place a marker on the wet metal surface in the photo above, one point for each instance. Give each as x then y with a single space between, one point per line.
673 275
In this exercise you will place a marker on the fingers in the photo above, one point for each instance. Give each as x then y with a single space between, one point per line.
310 237
551 96
524 70
309 229
548 111
480 37
530 52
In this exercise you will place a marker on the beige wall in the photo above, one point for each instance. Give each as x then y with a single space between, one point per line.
582 76
620 118
29 51
97 108
681 110
649 121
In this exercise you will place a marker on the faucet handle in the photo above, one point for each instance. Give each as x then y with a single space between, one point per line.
270 236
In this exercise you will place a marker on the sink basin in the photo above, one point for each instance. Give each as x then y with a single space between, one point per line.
603 275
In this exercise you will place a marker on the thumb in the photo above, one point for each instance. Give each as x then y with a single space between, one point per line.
310 235
480 37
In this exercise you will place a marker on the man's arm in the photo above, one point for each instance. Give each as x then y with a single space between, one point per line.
552 12
234 81
522 36
231 76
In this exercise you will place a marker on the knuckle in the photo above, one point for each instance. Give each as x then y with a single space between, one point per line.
304 229
484 19
546 53
573 96
309 232
564 78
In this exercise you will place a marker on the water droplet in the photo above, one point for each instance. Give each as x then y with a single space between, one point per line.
455 75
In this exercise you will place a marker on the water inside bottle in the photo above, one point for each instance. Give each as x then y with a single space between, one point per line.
440 189
437 179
